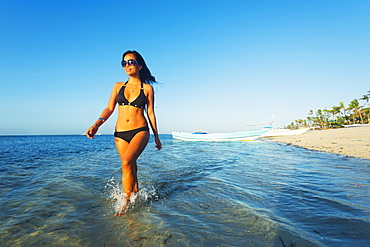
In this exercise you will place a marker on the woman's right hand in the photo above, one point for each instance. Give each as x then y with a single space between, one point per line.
90 133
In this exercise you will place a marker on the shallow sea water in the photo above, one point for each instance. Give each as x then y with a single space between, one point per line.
64 190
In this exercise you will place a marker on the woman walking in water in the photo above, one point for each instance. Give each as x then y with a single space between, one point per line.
132 132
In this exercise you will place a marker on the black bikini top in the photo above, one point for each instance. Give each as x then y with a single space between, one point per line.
139 102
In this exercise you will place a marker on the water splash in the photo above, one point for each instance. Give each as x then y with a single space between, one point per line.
118 197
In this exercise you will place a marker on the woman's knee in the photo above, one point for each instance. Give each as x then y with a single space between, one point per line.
128 163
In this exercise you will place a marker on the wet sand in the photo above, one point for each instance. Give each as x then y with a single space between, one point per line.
354 141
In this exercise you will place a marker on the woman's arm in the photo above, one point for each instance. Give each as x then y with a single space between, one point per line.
151 115
107 112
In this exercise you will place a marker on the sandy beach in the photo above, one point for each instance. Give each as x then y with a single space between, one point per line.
354 141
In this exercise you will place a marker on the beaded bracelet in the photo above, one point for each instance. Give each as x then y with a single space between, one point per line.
102 119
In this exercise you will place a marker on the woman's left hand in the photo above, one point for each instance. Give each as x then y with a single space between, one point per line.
158 143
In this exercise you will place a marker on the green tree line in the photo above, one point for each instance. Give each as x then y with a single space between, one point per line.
337 116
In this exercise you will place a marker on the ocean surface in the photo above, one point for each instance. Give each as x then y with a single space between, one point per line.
64 190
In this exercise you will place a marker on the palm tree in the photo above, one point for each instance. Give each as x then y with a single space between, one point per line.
366 97
366 110
343 109
336 111
320 118
326 117
310 119
355 107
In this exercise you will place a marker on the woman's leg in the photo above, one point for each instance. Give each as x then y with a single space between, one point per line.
129 152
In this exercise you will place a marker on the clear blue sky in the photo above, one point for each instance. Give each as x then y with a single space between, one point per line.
220 63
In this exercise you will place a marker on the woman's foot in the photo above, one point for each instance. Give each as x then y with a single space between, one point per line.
124 209
120 214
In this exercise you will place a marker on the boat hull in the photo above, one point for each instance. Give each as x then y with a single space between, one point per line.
284 132
236 136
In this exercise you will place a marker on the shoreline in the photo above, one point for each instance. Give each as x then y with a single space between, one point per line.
352 142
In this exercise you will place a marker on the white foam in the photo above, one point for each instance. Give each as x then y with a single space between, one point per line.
118 197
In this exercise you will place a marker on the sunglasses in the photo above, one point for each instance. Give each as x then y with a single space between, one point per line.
130 62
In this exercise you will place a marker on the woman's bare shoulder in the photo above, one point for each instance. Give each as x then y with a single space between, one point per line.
148 87
116 87
118 84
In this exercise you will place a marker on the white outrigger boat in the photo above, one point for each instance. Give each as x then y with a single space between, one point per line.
235 136
248 135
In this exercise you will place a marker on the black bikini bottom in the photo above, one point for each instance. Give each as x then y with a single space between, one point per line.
128 135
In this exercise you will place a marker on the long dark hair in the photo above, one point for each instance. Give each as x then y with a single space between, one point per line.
145 75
